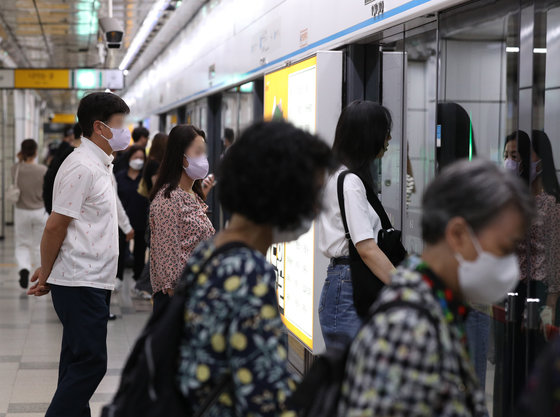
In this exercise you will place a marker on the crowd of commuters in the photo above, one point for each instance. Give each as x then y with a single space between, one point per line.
409 356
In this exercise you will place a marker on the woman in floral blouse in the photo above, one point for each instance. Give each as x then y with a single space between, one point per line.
271 181
178 220
410 359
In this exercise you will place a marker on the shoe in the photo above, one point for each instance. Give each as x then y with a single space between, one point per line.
23 278
112 317
142 295
118 285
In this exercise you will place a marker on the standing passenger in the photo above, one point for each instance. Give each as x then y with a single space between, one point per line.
79 252
410 358
178 220
136 208
232 327
29 214
362 135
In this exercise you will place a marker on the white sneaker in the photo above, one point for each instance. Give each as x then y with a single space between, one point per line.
118 285
143 295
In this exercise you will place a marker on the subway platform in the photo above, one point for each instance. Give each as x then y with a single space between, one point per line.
30 335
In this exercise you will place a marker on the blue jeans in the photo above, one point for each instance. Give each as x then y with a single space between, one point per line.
339 321
477 327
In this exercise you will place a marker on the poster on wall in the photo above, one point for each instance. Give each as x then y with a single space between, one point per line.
291 94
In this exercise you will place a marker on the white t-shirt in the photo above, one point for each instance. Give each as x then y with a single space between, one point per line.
363 221
84 190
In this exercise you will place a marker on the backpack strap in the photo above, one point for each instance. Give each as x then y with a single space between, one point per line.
371 197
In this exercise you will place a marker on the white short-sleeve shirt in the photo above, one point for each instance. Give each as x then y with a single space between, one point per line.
84 190
363 221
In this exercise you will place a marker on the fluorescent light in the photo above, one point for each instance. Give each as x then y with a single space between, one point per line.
539 50
513 49
147 25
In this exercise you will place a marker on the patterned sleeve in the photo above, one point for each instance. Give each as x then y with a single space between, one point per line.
393 368
552 245
196 223
257 356
168 242
72 187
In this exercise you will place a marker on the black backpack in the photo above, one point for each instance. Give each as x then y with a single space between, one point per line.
318 394
148 384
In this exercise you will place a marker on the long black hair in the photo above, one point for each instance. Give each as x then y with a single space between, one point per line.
543 148
180 139
360 136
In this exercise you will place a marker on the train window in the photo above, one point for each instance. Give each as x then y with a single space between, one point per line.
478 109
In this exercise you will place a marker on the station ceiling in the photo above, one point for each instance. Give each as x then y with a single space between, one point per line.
64 34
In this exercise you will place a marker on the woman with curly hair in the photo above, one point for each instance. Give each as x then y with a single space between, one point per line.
271 181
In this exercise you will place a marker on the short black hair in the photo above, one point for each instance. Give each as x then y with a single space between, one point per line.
99 106
77 131
361 132
28 148
273 174
229 134
140 132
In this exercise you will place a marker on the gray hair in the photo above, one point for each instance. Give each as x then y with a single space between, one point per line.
477 191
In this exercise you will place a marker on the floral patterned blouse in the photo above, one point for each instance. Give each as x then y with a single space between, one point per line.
404 363
543 240
232 327
177 224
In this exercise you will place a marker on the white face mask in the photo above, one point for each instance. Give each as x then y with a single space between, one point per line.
282 236
136 164
120 139
511 165
488 278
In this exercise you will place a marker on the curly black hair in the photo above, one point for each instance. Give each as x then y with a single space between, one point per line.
273 174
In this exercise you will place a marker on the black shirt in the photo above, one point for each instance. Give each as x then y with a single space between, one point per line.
150 170
62 153
134 204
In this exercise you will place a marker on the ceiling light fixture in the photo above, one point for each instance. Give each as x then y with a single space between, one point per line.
147 25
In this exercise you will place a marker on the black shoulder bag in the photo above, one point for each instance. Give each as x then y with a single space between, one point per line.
366 286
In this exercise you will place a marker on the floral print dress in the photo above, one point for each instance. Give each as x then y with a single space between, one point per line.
232 327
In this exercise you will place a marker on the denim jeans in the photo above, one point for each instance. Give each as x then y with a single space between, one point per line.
339 321
477 327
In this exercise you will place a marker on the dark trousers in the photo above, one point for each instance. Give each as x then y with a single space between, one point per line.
83 313
160 301
139 254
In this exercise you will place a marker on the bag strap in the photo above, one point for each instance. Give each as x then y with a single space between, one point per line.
340 191
371 197
225 383
16 176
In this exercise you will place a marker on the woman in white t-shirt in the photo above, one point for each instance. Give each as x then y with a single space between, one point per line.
362 135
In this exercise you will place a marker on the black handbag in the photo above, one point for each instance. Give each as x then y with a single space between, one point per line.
365 285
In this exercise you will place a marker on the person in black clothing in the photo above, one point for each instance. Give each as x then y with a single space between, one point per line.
140 137
155 157
136 208
62 153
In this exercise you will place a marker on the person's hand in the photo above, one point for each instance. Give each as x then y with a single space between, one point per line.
170 292
130 236
546 321
208 183
41 288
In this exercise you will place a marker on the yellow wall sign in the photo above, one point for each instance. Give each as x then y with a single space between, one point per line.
64 118
42 78
276 90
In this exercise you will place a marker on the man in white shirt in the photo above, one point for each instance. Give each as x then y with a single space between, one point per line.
79 252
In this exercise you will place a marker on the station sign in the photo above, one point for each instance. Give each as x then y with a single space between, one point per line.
61 79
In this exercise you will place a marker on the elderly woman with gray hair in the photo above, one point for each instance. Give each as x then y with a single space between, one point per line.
410 358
